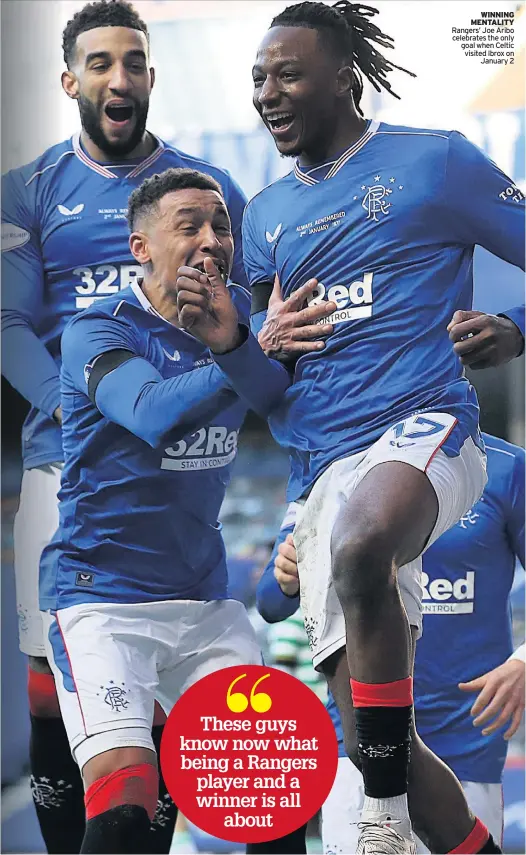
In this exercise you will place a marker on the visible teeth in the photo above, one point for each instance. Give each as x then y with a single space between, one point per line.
277 116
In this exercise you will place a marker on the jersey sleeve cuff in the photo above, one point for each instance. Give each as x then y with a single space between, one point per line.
259 381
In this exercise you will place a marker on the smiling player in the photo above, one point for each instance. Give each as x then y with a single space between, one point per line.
381 424
134 584
65 245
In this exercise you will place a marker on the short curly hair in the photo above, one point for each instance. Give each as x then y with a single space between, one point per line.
143 201
103 13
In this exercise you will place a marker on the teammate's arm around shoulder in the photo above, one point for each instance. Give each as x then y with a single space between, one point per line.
103 359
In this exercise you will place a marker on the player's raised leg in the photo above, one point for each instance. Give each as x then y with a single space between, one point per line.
368 516
440 812
384 525
387 520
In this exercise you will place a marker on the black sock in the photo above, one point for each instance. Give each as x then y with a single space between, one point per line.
163 823
384 749
56 787
124 830
490 846
290 844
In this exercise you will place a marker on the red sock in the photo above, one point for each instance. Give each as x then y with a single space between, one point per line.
397 694
475 840
42 694
133 785
383 715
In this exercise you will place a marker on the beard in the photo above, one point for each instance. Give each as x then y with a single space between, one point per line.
90 121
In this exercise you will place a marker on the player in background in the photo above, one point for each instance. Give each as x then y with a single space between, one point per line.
65 245
466 647
134 584
381 424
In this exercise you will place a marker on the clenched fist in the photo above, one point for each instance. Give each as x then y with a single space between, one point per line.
484 341
205 307
286 568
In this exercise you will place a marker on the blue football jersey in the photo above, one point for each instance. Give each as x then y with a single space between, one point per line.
139 516
389 231
467 577
65 245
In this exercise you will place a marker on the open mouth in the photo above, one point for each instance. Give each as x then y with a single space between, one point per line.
280 122
219 264
120 113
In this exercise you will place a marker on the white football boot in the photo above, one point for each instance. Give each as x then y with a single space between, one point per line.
379 836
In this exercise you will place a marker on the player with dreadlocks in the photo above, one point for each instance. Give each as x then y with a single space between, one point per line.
380 422
359 33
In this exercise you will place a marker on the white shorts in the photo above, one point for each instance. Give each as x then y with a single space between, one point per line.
342 809
458 482
111 661
35 524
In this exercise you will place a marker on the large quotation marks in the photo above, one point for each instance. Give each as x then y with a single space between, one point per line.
238 702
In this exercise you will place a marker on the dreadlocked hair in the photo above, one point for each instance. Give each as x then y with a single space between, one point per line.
349 30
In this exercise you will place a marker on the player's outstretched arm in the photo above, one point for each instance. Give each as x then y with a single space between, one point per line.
206 310
102 358
289 329
486 341
277 593
501 696
136 396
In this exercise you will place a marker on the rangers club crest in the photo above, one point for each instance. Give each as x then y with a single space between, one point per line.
45 794
114 696
377 200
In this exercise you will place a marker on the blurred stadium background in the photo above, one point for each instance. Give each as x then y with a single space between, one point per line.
203 51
